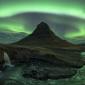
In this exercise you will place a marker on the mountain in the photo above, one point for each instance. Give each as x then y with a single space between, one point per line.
7 37
44 36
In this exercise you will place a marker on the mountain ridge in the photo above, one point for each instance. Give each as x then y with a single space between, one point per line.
11 37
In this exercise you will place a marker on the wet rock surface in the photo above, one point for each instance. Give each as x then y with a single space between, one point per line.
14 76
45 70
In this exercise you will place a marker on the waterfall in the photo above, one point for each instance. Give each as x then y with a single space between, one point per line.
7 60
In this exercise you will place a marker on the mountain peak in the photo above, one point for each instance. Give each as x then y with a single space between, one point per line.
43 30
43 25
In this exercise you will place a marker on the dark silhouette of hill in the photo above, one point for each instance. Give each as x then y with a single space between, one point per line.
11 37
44 36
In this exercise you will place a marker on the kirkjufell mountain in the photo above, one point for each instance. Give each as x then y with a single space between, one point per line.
43 35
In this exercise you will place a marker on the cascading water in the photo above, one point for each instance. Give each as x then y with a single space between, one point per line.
7 60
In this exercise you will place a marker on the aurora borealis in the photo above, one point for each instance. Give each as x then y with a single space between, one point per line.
68 7
65 17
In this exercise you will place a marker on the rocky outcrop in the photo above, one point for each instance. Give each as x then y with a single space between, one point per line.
44 70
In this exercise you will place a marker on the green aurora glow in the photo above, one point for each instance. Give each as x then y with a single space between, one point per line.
11 7
12 27
80 33
75 8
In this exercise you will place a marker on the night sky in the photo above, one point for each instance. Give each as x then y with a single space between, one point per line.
65 17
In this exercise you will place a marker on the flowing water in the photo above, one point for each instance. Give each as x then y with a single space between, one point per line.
7 60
